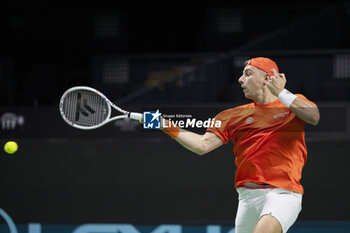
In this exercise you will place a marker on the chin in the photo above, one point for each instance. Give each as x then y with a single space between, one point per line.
247 96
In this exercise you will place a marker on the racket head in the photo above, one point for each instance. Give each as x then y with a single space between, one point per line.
85 108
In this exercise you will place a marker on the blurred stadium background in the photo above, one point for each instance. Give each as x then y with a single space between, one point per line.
144 57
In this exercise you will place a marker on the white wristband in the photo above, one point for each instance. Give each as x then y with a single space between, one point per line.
286 97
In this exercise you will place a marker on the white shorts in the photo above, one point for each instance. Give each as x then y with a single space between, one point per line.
282 204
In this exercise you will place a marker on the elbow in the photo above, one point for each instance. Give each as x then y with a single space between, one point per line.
315 119
206 144
201 152
201 149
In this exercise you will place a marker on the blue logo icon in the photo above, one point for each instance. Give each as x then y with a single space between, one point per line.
151 120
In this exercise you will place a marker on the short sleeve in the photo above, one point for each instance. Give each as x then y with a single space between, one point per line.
222 131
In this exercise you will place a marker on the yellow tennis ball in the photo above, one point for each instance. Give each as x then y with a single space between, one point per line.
11 147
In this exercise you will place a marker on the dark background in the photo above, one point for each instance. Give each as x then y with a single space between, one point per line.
171 55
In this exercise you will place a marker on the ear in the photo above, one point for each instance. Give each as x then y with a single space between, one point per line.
267 79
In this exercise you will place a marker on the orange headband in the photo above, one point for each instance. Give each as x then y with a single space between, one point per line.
264 64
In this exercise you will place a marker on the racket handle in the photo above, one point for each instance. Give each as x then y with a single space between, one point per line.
135 116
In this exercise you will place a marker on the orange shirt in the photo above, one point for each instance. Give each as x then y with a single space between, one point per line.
269 144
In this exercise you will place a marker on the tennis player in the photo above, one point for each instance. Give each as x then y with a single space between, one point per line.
269 145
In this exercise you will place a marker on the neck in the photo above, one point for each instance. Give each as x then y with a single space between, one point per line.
265 98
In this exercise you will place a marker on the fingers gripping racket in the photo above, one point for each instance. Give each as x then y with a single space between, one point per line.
86 108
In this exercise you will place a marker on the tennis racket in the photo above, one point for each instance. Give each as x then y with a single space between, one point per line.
86 108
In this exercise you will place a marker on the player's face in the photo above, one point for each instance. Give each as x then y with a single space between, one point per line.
252 81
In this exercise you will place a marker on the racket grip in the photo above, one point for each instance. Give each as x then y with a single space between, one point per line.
135 116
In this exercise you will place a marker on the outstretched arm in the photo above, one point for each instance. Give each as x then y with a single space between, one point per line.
199 144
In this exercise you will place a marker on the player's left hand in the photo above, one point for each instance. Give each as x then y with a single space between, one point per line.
277 82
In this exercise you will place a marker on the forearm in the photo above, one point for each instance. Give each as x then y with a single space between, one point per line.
305 110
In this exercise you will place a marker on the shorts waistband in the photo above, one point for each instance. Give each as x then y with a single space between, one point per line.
251 185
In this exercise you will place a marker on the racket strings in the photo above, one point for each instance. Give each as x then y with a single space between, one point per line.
85 108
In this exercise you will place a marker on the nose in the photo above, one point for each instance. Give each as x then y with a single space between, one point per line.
241 79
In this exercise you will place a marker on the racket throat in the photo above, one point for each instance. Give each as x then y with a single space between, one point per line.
135 116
